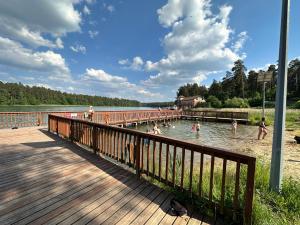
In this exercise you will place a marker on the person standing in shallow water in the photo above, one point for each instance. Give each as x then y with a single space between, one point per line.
198 127
234 126
262 129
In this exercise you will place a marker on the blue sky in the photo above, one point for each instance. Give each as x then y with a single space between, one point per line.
137 49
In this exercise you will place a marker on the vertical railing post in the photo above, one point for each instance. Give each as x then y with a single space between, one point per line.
49 117
56 125
94 138
71 130
249 192
138 155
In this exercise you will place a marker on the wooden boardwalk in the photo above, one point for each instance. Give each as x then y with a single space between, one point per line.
46 180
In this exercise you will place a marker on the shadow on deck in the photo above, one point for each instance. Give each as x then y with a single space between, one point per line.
46 180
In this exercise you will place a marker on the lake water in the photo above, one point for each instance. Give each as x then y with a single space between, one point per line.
210 134
44 108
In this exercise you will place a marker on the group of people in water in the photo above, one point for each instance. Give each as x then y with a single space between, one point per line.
262 130
196 127
156 130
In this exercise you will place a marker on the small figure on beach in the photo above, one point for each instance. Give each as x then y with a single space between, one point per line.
262 129
234 126
91 113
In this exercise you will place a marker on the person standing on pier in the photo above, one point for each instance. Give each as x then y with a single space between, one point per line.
91 113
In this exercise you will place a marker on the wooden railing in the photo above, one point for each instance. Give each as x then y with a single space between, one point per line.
124 117
27 119
222 179
218 114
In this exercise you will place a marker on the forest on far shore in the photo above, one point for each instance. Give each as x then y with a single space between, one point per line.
239 89
19 94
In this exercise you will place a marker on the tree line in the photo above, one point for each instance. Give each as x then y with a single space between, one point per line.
19 94
242 87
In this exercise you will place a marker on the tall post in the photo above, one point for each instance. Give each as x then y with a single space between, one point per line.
280 108
264 99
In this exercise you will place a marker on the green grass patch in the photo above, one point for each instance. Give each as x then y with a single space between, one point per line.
268 207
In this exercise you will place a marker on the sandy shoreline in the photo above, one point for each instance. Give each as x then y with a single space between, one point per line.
262 150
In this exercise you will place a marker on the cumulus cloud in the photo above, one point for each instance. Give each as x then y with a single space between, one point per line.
114 85
93 34
198 43
101 75
110 8
242 37
13 54
78 48
86 10
123 62
28 21
137 63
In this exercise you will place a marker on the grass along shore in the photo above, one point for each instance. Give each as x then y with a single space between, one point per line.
292 115
269 208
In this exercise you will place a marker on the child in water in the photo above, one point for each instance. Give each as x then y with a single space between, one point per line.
262 129
193 127
234 126
198 127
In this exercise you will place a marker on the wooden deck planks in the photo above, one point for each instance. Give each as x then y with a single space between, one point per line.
63 184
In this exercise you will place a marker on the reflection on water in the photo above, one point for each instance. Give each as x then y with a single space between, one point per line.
210 134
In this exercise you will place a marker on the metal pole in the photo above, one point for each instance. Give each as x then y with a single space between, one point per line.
280 108
264 99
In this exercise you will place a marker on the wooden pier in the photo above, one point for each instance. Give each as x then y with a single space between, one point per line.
81 172
47 180
121 118
216 116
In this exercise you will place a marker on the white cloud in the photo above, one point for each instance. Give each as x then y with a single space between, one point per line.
137 63
197 44
93 22
101 75
14 55
78 48
265 67
86 10
116 86
93 34
123 62
110 8
242 37
28 21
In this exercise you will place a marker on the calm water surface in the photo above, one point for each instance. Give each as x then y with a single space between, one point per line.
211 134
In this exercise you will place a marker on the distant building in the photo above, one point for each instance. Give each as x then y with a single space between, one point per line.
189 102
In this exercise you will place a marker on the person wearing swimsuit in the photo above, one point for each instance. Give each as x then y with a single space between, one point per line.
262 129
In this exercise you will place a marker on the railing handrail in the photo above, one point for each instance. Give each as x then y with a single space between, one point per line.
216 151
104 138
98 111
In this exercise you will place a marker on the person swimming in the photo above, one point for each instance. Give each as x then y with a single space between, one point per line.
262 129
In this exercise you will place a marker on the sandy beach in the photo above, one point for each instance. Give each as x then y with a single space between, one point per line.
262 149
